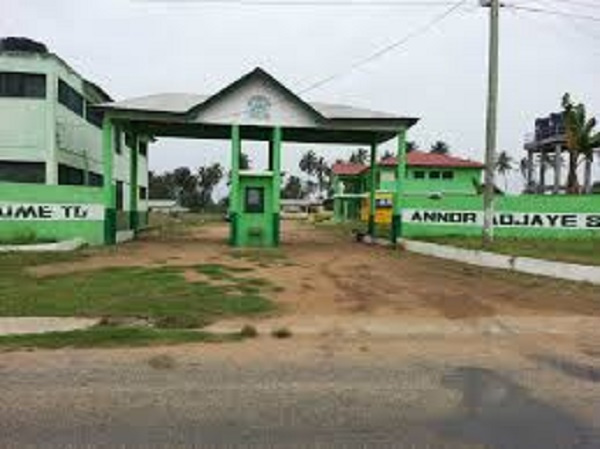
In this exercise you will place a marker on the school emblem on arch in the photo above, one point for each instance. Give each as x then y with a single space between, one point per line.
259 107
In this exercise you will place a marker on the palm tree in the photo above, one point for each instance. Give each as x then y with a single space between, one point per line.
504 165
581 140
440 147
360 156
308 163
411 146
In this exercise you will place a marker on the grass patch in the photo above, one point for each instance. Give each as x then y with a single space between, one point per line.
159 294
109 337
583 251
177 226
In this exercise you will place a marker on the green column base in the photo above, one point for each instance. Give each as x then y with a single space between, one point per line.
276 229
396 229
134 220
233 229
371 226
110 226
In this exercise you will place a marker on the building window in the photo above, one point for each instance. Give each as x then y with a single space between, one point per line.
70 98
143 148
70 176
419 174
95 179
143 193
27 85
255 200
434 174
448 175
27 172
120 193
93 116
118 140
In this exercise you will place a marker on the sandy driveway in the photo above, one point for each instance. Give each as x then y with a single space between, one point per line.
324 273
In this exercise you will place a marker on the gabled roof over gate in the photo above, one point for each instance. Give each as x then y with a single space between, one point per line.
258 93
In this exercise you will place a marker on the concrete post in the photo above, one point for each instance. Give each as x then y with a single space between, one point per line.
530 171
234 193
109 189
133 183
557 168
542 186
51 130
275 158
372 190
396 230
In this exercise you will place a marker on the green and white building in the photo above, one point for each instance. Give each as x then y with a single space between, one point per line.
51 151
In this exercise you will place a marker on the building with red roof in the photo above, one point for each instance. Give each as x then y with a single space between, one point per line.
427 174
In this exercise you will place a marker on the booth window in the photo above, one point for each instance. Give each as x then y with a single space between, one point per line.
419 174
26 85
255 200
143 193
27 172
70 98
448 175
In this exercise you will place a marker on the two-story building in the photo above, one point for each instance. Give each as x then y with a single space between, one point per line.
50 133
427 174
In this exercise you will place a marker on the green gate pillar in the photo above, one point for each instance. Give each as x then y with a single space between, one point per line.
396 230
234 189
275 158
133 184
372 191
109 189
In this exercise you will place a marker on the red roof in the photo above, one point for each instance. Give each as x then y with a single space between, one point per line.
413 159
422 159
348 168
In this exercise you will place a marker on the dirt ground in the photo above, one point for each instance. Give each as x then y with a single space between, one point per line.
324 273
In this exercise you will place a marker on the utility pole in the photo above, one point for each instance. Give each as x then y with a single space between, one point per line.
492 122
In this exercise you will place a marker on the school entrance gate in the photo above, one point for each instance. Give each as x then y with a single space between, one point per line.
256 107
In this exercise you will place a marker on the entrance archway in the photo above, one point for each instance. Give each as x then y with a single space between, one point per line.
256 107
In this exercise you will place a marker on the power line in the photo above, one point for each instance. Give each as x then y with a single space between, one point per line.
375 55
553 12
326 3
388 48
579 3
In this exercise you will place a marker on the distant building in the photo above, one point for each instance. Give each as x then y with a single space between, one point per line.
545 148
427 174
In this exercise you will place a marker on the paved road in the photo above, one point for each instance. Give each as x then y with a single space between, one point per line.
301 394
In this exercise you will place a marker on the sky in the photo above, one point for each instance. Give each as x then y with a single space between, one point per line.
138 47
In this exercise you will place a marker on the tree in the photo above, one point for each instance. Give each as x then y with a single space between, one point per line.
293 188
359 156
411 146
22 44
440 147
323 174
160 186
503 165
387 155
207 178
308 163
581 140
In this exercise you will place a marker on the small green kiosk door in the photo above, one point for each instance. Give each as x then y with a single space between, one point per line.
257 223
